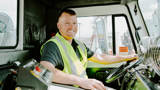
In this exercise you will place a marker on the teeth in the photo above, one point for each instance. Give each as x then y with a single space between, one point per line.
71 32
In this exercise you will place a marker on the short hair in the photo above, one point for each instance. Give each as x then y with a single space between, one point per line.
66 10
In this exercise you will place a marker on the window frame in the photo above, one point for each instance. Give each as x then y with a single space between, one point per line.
114 32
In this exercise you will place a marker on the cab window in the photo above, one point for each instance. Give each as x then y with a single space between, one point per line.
105 34
123 42
8 23
151 10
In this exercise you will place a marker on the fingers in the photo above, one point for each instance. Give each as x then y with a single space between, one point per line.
101 85
135 57
98 85
92 84
130 57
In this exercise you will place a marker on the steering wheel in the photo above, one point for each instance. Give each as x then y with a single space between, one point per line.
122 70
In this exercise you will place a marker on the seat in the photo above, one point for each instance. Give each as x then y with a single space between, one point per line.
34 38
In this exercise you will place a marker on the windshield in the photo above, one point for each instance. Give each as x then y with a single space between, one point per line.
151 11
8 23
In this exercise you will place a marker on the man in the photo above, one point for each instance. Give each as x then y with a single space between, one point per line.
67 57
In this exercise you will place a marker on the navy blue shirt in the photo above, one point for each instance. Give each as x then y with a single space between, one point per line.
51 53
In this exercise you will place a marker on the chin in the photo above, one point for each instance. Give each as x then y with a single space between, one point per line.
71 36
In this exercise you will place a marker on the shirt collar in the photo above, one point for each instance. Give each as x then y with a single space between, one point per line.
74 43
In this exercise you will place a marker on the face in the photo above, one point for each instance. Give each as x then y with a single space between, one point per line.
67 25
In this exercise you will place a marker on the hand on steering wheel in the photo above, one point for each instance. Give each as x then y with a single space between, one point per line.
122 70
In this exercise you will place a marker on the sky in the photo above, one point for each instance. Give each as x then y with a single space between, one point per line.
86 26
148 7
9 7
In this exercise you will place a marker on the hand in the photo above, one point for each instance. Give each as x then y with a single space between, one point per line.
91 84
130 57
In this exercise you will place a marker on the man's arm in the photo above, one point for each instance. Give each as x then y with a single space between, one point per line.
63 78
110 59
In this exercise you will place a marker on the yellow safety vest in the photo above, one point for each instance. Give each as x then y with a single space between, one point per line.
72 64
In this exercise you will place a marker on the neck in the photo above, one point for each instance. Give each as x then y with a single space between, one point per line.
70 41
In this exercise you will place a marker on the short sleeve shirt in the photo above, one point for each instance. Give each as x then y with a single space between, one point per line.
51 53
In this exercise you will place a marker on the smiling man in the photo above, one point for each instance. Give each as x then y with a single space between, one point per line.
67 25
67 58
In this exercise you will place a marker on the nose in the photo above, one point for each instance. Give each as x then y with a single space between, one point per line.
70 27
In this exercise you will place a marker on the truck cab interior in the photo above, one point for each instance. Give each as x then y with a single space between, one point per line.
114 27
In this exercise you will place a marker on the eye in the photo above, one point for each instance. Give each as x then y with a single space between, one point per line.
67 24
75 23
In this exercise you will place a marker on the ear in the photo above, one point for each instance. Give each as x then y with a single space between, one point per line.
58 25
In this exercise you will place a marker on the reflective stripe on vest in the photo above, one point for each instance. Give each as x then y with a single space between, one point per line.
83 52
72 64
